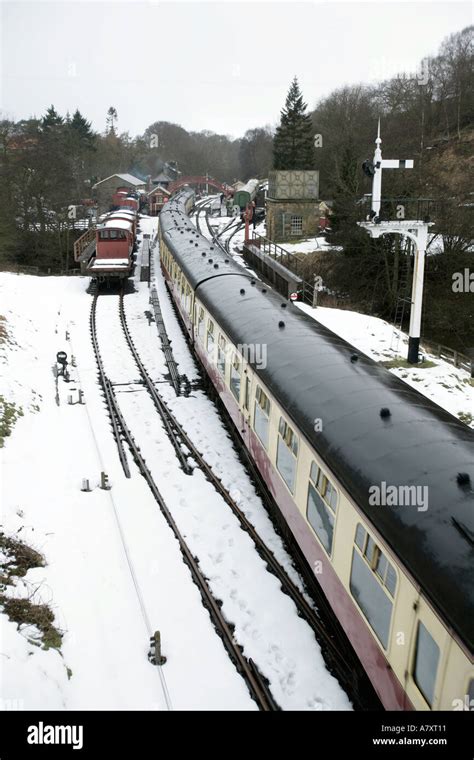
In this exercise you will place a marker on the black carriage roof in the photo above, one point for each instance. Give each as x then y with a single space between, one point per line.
312 373
199 258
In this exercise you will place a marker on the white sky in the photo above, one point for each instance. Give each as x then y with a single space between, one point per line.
222 66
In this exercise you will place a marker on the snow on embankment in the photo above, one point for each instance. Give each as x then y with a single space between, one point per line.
446 385
110 569
86 580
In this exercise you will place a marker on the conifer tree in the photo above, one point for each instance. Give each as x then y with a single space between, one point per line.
81 128
51 118
293 144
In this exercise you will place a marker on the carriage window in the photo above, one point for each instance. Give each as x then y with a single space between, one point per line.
201 322
370 597
287 451
112 234
391 580
235 377
426 663
210 337
221 354
373 583
321 506
360 537
117 234
376 559
261 415
188 299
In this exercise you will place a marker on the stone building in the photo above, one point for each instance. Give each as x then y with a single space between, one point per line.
293 209
104 190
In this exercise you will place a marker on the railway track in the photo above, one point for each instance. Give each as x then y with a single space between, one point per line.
246 667
225 246
327 634
109 395
229 238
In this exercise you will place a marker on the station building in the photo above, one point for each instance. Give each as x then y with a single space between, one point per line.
105 188
156 198
293 208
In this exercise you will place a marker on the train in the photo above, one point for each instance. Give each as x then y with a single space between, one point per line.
371 479
105 252
246 194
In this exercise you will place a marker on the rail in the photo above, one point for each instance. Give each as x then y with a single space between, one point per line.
246 667
112 406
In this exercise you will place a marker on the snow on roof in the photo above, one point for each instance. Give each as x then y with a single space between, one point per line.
117 224
124 177
128 212
161 188
110 263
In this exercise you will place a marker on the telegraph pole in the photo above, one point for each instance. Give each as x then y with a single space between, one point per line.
415 230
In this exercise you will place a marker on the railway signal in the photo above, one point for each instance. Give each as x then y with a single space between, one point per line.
61 359
374 170
416 230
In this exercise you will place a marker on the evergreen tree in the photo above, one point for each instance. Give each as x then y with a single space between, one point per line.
51 118
293 145
81 128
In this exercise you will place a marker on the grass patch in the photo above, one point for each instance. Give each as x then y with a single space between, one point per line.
3 329
19 558
398 363
24 612
466 417
9 413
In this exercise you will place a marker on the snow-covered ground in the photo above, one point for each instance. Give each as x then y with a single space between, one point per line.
306 245
114 573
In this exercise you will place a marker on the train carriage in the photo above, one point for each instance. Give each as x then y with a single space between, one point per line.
114 249
327 427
